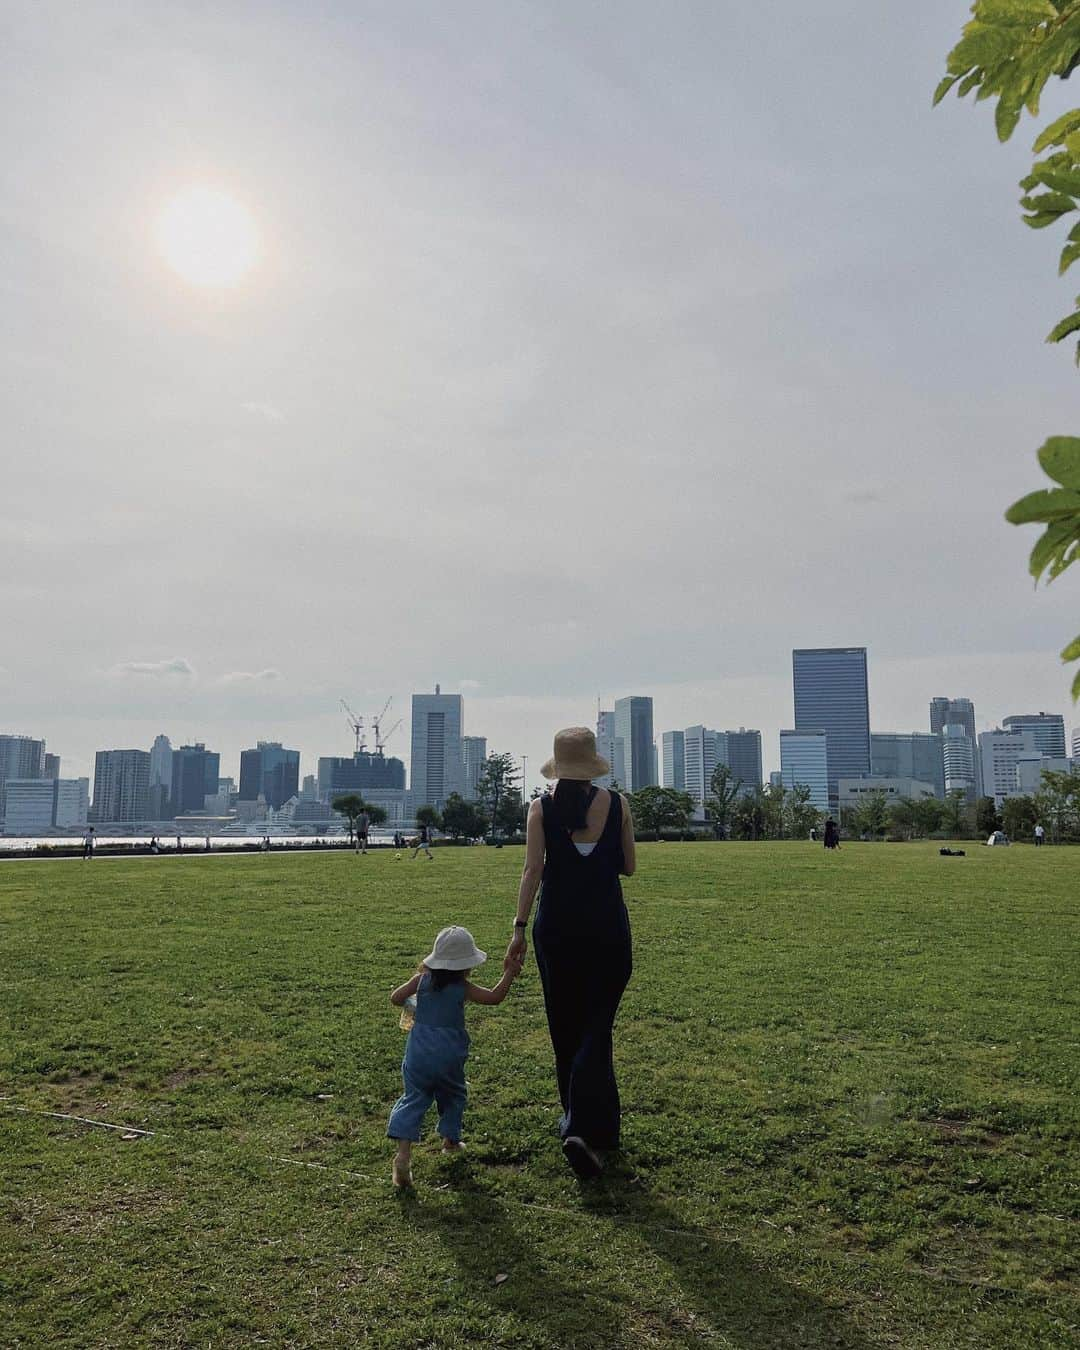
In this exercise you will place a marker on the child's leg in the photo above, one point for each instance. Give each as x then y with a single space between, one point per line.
410 1109
451 1095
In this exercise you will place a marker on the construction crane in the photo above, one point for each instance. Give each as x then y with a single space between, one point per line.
377 722
357 726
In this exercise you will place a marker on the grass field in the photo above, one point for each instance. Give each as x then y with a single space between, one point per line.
849 1084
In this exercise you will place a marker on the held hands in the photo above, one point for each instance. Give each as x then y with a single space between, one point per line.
514 959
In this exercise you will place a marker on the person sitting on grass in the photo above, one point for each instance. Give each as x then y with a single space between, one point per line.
433 1069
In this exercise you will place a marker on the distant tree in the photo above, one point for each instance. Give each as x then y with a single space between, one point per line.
463 819
511 817
1058 804
955 813
352 807
660 808
800 813
427 815
987 819
928 815
498 779
902 817
1018 817
724 790
751 815
872 815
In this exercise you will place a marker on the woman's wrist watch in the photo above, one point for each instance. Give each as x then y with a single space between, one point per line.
521 923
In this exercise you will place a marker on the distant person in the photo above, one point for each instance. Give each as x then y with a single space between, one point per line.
813 834
363 826
424 842
579 839
832 834
266 844
399 844
179 845
154 844
208 843
1040 835
88 844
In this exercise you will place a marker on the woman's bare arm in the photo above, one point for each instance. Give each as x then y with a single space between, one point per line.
628 850
531 875
404 991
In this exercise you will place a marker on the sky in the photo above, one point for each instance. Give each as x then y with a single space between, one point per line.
589 350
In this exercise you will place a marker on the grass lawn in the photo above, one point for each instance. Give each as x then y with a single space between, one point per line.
849 1083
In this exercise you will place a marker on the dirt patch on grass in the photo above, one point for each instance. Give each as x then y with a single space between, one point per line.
181 1077
953 1130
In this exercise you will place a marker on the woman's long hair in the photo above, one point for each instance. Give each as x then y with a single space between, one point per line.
571 803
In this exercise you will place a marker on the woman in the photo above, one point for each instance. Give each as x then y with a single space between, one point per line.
579 838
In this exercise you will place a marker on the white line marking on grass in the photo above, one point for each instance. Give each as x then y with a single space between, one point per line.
83 1120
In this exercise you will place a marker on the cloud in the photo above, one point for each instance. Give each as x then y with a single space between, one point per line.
469 684
251 676
267 411
177 666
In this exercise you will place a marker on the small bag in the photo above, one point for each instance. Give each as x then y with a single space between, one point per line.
408 1013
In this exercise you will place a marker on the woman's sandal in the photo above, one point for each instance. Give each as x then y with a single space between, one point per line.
582 1159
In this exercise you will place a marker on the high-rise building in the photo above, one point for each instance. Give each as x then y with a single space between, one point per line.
20 757
52 768
121 785
741 752
959 755
474 752
1047 731
674 760
36 804
953 712
832 695
1076 743
611 748
914 754
362 773
195 773
161 762
438 765
271 772
1000 751
634 727
804 762
699 758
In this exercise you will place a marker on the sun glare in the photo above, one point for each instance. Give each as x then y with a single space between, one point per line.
207 237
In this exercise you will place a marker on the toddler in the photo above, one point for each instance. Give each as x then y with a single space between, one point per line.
433 1069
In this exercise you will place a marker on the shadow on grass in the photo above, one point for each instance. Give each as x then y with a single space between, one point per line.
741 1299
722 1290
485 1238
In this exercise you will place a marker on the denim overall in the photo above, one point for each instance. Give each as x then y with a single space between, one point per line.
581 938
433 1069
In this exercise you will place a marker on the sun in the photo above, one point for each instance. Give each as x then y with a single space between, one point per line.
207 237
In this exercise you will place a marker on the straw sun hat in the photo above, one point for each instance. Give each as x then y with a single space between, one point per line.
575 756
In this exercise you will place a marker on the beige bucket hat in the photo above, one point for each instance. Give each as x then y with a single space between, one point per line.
454 950
575 756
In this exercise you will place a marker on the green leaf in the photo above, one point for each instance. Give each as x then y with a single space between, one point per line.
1063 181
1050 549
1016 13
1076 688
1059 458
943 88
1069 255
1072 651
968 83
1041 222
1006 117
1065 327
1056 132
1048 203
980 46
1044 506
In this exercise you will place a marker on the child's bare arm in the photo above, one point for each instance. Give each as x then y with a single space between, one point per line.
405 991
476 994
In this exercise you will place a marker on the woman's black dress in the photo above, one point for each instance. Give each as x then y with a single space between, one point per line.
582 941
